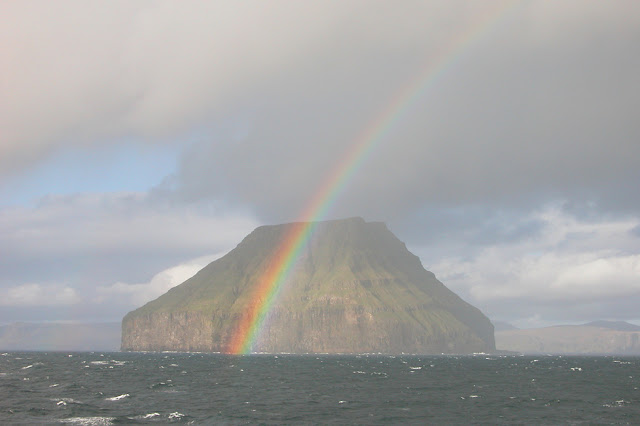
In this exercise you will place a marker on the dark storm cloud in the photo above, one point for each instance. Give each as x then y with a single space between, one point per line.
519 116
442 228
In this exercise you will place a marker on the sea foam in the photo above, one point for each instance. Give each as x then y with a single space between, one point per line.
116 398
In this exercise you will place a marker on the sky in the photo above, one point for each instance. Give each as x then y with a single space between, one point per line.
140 141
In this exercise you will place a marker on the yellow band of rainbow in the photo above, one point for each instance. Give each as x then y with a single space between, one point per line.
248 328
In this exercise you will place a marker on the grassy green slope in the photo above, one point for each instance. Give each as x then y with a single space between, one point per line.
347 264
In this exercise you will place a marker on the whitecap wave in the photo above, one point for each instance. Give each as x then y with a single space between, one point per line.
119 397
150 415
145 416
89 421
619 403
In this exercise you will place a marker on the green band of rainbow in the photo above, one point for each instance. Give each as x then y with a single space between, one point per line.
248 327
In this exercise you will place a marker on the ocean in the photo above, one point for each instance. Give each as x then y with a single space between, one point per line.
140 388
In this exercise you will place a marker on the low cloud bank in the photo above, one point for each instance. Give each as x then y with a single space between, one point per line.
573 270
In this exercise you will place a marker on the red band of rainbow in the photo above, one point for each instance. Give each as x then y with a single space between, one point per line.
248 328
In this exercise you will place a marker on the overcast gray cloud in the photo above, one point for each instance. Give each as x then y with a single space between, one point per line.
97 256
78 72
544 100
537 106
91 240
36 295
523 151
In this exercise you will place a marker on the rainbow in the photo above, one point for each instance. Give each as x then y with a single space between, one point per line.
248 328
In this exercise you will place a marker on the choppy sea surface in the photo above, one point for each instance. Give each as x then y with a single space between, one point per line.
139 388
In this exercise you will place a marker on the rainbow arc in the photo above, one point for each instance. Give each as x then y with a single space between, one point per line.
248 328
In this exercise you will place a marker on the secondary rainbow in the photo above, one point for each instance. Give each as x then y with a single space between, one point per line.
248 328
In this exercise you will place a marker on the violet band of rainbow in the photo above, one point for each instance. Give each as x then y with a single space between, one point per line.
248 328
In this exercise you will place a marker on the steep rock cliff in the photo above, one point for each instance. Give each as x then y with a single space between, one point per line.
354 289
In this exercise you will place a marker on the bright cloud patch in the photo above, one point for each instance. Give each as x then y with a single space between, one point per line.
91 241
139 294
573 262
38 295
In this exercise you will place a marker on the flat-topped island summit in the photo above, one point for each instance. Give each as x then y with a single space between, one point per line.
353 288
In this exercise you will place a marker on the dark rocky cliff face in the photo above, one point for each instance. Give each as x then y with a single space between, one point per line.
355 289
